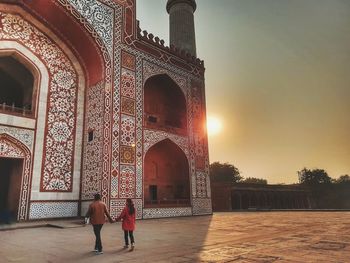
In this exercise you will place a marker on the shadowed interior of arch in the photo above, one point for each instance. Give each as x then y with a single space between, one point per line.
166 180
165 105
16 94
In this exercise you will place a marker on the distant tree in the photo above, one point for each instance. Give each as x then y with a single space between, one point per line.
224 172
343 179
252 180
313 177
326 193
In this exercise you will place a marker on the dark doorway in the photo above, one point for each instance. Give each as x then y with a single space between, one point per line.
235 201
10 187
153 192
245 201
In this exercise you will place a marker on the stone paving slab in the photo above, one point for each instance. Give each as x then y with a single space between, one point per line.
223 237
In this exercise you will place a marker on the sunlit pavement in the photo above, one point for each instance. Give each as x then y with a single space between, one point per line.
223 237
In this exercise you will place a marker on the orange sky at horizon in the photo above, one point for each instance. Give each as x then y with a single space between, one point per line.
278 78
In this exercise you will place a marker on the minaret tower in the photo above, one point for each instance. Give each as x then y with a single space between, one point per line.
182 34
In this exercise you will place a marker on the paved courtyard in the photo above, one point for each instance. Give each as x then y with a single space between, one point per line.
223 237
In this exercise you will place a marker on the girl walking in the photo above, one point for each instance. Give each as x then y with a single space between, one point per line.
128 217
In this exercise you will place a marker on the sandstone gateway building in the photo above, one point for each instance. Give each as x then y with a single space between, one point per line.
90 103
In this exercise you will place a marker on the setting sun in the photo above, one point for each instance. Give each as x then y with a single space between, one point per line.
214 125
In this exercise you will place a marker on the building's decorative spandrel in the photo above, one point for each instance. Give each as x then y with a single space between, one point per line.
23 135
99 15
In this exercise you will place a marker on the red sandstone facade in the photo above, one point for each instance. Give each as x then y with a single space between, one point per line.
103 107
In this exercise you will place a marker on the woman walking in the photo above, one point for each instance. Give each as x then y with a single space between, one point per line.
128 217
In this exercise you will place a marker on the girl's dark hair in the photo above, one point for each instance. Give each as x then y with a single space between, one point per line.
131 206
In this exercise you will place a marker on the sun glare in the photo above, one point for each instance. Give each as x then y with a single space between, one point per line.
214 125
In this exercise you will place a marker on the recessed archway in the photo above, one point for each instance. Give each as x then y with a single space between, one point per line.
18 94
15 91
15 173
165 105
166 176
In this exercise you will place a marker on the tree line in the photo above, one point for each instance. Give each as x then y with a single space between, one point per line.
225 172
326 192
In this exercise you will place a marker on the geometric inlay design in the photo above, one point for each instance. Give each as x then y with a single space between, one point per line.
53 210
202 206
128 84
198 140
128 106
10 150
166 212
23 135
127 133
127 181
197 111
128 60
200 162
151 137
92 166
117 206
100 16
114 184
127 154
201 184
62 95
150 70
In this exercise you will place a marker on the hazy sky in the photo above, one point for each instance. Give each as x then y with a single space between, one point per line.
278 76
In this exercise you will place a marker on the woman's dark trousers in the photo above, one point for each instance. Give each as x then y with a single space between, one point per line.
131 235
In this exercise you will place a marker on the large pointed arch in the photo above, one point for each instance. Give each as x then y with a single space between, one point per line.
165 105
74 30
166 176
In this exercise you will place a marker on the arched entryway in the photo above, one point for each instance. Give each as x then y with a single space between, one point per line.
14 178
166 176
164 105
10 186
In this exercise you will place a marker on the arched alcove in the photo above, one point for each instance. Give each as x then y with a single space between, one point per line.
166 176
15 162
164 105
17 87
